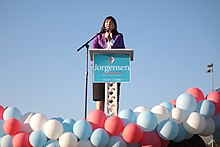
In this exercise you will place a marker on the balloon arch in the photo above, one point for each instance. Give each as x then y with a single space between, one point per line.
190 115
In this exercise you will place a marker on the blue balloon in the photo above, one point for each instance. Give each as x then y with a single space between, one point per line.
127 116
6 141
58 118
167 105
12 112
52 143
168 129
206 108
38 138
216 134
99 137
2 133
116 141
217 121
147 121
181 134
68 125
82 129
186 102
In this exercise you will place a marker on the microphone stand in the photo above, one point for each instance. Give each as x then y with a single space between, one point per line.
86 73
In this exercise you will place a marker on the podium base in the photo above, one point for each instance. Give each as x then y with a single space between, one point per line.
111 99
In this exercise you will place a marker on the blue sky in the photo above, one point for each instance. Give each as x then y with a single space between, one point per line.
40 70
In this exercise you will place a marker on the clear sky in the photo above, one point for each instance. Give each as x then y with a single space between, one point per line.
40 70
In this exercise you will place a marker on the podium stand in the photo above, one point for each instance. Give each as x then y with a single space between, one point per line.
112 67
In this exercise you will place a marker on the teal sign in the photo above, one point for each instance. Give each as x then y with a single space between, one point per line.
111 68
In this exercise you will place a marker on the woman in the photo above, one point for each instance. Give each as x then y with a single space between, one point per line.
109 38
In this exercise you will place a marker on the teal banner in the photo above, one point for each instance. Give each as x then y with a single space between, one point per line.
111 68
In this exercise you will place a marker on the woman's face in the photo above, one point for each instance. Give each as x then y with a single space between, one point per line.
109 24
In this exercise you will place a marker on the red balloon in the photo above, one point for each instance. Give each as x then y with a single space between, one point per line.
197 93
1 112
150 138
12 126
173 102
164 143
114 125
97 119
21 140
132 133
215 98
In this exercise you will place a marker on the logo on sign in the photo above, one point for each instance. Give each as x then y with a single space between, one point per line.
112 59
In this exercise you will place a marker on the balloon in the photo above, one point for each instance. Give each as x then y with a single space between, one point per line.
186 102
161 113
37 138
96 118
150 138
139 109
168 130
99 137
6 141
53 129
21 140
116 141
173 102
215 98
181 134
209 129
68 125
2 132
67 139
127 116
58 118
216 134
84 143
12 126
37 121
217 121
132 133
147 121
52 143
26 127
12 112
178 115
206 108
167 105
2 109
114 125
195 123
82 129
197 93
164 143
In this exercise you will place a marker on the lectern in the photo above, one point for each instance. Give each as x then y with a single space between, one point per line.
112 67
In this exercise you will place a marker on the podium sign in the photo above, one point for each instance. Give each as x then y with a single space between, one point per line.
111 68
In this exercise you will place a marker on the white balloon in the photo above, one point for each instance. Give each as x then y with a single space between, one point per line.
161 113
139 109
209 129
53 129
26 127
37 121
68 139
178 115
195 123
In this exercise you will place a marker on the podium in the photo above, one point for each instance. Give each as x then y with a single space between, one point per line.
111 67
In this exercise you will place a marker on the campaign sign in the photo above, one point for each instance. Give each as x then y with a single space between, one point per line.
111 68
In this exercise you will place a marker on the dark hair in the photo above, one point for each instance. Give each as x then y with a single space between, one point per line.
115 23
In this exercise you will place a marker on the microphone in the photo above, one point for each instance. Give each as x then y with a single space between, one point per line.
107 29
